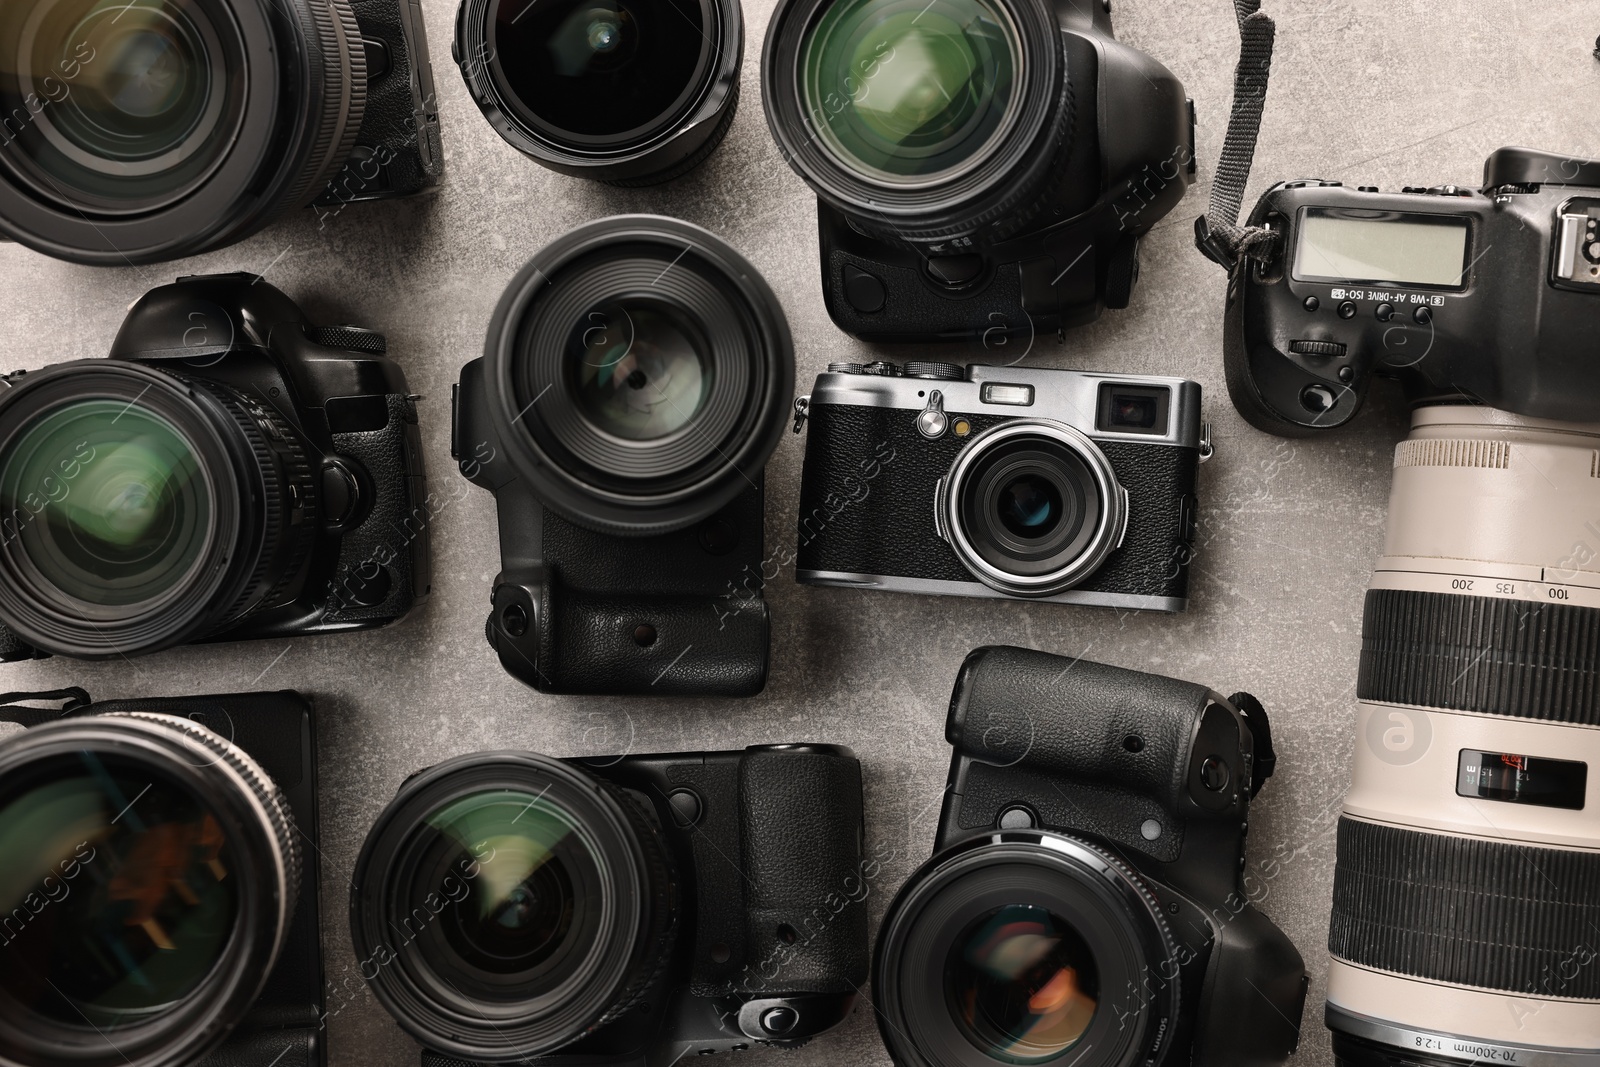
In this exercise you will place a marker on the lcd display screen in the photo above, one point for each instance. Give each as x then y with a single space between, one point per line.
1407 249
1518 779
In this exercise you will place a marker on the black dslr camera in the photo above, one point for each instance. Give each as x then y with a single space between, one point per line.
230 472
1084 901
982 167
146 130
1485 295
636 378
160 900
1053 485
627 912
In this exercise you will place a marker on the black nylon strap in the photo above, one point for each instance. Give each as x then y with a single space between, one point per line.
1217 233
1529 659
1470 912
71 699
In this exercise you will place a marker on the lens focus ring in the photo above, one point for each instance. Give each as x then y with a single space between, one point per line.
340 97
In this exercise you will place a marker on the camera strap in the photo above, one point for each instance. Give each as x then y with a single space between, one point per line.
1217 233
1266 757
71 699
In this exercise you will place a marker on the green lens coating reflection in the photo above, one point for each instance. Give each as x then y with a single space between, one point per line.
639 369
523 864
107 501
1022 984
118 892
903 90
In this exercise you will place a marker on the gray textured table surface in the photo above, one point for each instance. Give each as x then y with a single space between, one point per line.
1367 91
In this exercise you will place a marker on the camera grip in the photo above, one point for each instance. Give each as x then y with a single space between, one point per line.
384 561
800 811
1083 721
564 640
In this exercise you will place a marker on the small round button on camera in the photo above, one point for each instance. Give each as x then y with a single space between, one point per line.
1214 774
779 1020
1312 303
1384 312
1347 310
1422 316
1017 818
686 807
1317 398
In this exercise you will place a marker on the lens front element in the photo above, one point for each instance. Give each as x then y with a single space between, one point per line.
905 92
1023 983
641 369
1032 507
129 510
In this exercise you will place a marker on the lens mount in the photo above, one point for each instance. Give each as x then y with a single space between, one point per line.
641 372
154 130
1032 507
1124 964
506 904
127 969
631 92
140 510
820 67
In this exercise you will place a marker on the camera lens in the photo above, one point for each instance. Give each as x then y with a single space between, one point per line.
639 369
1032 507
140 510
1476 738
921 121
513 903
632 92
146 130
1021 949
150 870
1022 983
642 371
934 85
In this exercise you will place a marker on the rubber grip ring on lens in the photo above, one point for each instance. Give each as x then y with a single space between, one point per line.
1466 911
1523 658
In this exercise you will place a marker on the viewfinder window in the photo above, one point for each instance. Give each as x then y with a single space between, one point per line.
1336 246
1133 409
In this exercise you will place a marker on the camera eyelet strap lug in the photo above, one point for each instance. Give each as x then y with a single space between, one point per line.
1217 233
71 699
1266 757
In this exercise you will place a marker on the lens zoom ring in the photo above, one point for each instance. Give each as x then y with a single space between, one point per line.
338 61
661 884
286 481
1514 918
261 786
1470 653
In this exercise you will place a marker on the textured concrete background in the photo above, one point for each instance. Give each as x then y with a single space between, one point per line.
1366 91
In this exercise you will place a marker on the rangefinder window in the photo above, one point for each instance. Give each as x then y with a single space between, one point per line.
1517 779
1133 409
1408 249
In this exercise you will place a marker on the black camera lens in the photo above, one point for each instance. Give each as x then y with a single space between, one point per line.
639 369
1022 983
140 509
147 130
150 870
916 119
1032 507
909 92
1022 949
515 904
643 371
626 91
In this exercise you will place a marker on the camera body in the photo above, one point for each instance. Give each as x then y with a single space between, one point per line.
278 730
1484 295
771 947
1157 773
333 391
887 451
569 602
398 151
1125 156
